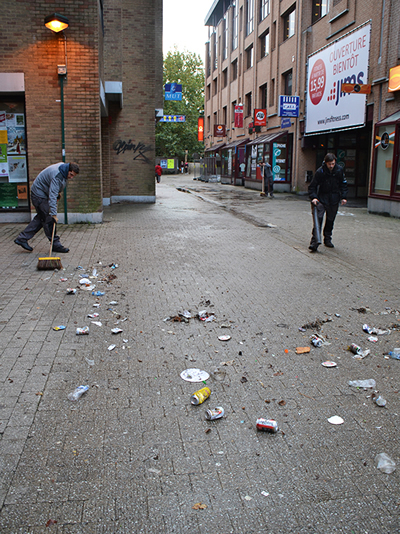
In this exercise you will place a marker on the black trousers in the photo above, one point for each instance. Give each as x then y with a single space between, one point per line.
42 219
330 211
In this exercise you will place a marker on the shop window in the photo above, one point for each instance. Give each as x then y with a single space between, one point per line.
13 160
248 105
249 57
263 96
234 70
384 149
235 25
319 9
288 20
264 44
287 82
264 9
249 16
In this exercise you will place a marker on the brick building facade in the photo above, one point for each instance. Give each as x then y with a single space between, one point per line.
259 50
112 51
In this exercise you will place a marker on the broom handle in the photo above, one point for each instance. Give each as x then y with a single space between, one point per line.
52 237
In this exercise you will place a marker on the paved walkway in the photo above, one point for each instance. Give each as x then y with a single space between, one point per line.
133 455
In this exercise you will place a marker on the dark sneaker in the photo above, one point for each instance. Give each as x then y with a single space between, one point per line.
23 244
328 243
60 248
313 248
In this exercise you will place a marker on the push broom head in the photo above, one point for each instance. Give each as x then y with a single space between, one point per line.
49 264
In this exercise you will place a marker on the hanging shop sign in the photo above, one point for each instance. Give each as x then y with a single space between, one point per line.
344 61
200 129
173 118
289 106
394 79
239 116
219 130
260 117
173 91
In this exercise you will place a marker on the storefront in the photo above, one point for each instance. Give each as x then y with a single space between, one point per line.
275 149
233 162
212 163
14 186
385 184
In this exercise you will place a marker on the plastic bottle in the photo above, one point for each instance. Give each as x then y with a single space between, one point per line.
77 393
395 353
363 383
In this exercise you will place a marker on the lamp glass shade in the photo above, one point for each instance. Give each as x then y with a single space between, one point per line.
56 22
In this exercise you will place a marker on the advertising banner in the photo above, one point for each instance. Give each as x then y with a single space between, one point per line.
200 129
344 61
219 130
239 116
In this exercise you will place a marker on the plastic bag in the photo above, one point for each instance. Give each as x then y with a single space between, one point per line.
385 463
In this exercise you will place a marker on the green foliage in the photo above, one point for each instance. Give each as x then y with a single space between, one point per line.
172 139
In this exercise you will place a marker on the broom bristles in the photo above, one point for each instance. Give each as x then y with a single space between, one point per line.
49 264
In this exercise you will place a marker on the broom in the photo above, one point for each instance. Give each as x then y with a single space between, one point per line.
49 264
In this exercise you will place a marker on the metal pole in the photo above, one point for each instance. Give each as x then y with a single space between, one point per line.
63 145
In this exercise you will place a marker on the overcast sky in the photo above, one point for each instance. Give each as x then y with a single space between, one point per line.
184 25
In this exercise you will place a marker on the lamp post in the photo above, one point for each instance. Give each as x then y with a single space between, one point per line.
58 23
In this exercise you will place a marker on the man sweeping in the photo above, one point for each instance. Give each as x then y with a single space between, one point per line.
45 192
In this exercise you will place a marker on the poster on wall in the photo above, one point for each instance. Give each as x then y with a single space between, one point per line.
8 196
346 60
17 169
16 140
3 123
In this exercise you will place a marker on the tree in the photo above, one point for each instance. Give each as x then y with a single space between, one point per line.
172 139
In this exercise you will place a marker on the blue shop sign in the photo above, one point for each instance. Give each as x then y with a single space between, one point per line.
289 106
173 91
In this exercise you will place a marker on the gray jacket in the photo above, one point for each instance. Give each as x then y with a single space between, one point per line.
49 183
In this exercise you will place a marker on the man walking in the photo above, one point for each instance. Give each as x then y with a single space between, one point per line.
268 179
45 192
327 189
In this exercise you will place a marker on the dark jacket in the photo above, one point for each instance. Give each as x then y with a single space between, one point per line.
328 187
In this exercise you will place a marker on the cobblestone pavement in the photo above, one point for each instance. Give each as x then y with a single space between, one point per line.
133 455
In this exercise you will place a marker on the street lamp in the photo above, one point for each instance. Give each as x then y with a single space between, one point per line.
58 23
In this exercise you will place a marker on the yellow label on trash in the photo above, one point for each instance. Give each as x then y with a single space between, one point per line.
200 396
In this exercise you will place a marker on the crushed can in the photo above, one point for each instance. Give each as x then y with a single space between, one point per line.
82 331
316 340
267 425
217 413
71 291
200 396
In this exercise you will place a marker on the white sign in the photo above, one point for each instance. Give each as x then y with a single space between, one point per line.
345 60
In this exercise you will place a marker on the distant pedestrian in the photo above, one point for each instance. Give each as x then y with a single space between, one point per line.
158 173
45 193
327 190
186 167
182 167
266 169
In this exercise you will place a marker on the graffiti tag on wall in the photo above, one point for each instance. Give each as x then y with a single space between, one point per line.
138 150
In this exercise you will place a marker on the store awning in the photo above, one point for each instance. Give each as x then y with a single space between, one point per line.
236 143
215 148
267 138
395 117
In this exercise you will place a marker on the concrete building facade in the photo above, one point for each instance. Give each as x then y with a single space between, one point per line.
86 94
267 58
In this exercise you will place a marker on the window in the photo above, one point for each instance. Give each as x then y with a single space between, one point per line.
234 70
225 43
287 81
288 23
248 105
224 115
235 25
249 57
272 93
319 9
208 92
233 110
264 9
215 86
263 96
214 43
215 118
208 123
249 16
208 59
264 44
273 36
224 78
